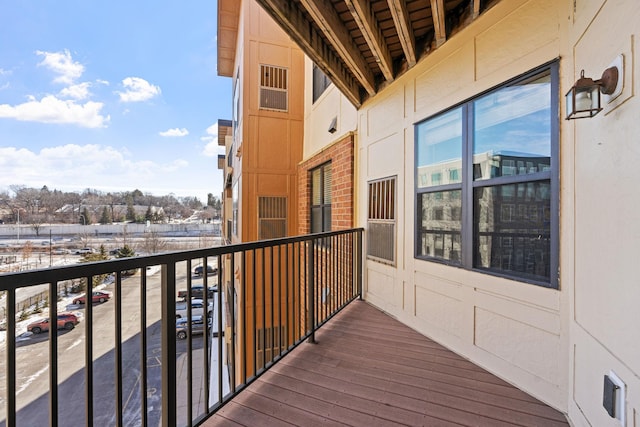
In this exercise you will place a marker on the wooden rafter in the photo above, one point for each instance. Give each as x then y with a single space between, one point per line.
438 13
476 8
326 18
366 21
400 16
292 20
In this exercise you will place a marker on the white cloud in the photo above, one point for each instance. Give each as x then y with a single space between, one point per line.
5 86
61 63
137 90
175 132
211 148
4 72
81 166
79 91
53 110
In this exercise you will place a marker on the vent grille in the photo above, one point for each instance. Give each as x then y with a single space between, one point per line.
273 88
272 217
381 222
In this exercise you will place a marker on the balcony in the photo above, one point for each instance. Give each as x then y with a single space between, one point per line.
256 363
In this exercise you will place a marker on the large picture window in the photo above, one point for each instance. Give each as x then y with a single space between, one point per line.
487 181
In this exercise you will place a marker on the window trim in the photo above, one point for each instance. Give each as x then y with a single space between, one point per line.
468 184
316 93
322 206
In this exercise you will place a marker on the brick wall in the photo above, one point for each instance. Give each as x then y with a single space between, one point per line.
341 156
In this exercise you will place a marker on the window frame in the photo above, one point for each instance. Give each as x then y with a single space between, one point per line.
319 83
469 185
323 206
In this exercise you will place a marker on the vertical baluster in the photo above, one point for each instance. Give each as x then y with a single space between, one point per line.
143 348
53 354
118 344
11 358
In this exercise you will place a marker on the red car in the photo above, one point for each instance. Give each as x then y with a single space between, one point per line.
98 296
65 321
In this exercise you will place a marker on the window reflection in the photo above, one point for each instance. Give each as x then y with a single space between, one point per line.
440 225
512 130
439 151
512 229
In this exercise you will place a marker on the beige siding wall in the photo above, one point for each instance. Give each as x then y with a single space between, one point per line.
517 330
605 328
318 115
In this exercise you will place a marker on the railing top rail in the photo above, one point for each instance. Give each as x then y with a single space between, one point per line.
26 278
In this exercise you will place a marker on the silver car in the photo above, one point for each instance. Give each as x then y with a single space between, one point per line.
197 308
182 327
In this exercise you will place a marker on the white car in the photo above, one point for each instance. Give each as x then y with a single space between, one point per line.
197 308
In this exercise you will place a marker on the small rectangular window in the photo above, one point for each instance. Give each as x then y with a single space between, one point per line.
320 82
273 88
234 208
381 222
321 198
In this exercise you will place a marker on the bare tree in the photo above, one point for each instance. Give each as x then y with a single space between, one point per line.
152 243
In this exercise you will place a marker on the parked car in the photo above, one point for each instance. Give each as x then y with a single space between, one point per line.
65 321
83 251
197 327
210 270
97 296
197 291
197 308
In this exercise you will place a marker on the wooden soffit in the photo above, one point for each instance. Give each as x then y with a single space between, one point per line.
362 45
228 18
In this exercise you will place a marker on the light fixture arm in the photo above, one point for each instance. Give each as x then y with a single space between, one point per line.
608 81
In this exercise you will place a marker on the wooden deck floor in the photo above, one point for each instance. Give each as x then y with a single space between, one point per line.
368 369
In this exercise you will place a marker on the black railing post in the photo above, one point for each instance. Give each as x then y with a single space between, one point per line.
168 322
88 350
311 320
10 375
117 296
143 348
358 255
53 353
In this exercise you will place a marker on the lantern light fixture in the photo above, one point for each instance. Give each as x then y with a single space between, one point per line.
584 99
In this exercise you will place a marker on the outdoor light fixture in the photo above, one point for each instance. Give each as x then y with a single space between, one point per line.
584 100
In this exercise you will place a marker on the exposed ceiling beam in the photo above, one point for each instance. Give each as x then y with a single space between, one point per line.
292 20
405 31
326 18
476 8
366 21
438 13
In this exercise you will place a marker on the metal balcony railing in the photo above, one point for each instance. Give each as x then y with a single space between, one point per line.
124 362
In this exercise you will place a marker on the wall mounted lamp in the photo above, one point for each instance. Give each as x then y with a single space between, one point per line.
584 100
333 125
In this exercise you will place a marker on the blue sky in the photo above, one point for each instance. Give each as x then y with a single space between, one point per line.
111 95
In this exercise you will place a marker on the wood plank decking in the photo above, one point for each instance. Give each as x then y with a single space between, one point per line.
368 369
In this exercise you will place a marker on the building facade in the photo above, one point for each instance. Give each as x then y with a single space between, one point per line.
263 144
